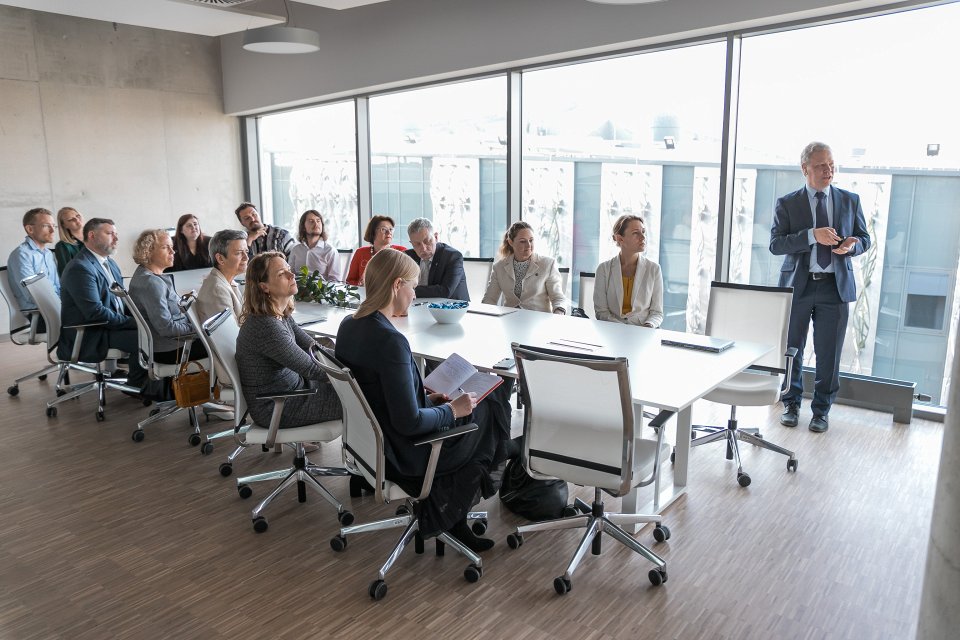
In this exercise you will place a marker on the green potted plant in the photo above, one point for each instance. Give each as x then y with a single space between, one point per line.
312 288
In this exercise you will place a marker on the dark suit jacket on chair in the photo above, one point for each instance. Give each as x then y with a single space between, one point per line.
793 219
446 278
85 297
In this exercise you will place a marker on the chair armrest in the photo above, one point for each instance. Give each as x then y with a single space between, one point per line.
791 352
84 326
663 416
286 394
449 433
435 440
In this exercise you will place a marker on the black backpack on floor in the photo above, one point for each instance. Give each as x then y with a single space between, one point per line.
531 498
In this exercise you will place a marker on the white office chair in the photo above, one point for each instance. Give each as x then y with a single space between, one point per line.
346 257
23 330
48 302
158 371
477 271
587 282
758 314
565 282
363 454
222 331
579 427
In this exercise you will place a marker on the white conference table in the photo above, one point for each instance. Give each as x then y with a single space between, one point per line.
663 377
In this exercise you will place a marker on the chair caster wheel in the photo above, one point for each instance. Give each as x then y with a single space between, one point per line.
661 533
338 543
51 412
260 524
245 491
562 585
743 479
42 377
194 439
403 510
154 412
137 435
378 589
792 464
226 469
61 392
479 527
515 540
569 511
100 416
657 576
14 390
206 449
473 573
345 518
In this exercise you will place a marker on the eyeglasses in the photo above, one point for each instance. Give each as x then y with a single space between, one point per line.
387 231
46 225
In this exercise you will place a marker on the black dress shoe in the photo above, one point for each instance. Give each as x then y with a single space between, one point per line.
791 415
818 424
462 532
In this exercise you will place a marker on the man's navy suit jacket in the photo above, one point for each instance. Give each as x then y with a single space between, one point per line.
446 278
791 221
85 297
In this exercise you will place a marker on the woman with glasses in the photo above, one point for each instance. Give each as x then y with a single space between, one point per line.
70 228
379 233
273 352
380 358
629 287
522 278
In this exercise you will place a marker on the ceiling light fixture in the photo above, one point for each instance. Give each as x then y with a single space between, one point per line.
281 38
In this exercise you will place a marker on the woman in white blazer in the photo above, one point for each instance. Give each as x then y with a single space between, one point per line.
523 278
629 271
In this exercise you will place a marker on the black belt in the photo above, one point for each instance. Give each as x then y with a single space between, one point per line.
820 275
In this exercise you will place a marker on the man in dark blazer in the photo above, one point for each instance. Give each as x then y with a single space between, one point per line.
86 298
818 229
441 266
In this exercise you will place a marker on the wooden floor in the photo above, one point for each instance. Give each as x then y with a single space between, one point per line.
101 537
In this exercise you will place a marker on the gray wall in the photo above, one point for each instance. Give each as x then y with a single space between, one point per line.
393 43
119 122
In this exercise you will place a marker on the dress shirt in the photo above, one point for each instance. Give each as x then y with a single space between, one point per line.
323 258
28 259
828 203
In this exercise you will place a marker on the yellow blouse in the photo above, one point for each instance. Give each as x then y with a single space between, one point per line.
627 294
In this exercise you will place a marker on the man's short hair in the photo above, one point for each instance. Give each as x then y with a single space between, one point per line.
419 224
93 224
243 205
812 148
221 240
30 217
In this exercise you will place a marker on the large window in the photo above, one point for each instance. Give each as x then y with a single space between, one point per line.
638 134
308 161
440 153
878 92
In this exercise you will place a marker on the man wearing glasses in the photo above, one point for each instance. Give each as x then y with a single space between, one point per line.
31 257
818 229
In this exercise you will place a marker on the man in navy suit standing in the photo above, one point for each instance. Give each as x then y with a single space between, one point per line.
441 266
818 229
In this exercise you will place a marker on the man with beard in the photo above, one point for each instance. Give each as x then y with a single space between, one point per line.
86 298
263 237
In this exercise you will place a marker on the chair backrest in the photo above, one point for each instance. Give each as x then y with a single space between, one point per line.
144 335
754 313
189 309
477 271
587 282
221 332
362 436
48 302
565 281
346 256
578 417
20 325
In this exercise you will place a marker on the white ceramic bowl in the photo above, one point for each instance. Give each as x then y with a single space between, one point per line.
446 316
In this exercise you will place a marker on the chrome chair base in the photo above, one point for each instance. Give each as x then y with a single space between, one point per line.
597 522
101 382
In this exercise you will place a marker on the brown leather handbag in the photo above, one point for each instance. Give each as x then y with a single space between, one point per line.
192 388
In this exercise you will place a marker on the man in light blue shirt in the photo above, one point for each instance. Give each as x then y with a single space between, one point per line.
32 256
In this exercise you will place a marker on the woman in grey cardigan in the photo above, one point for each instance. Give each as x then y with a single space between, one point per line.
273 352
153 293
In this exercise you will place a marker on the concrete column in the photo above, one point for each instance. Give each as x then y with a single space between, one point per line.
940 604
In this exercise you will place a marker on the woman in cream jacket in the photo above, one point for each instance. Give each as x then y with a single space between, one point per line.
629 271
523 278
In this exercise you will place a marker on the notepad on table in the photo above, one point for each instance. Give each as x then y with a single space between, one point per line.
490 309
